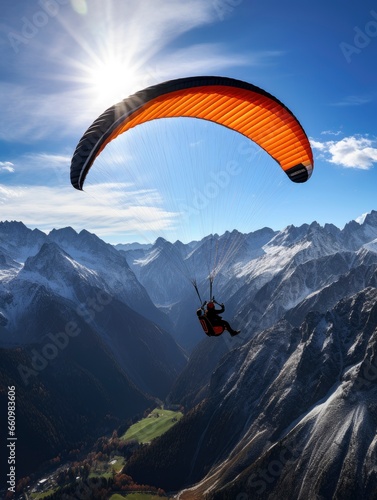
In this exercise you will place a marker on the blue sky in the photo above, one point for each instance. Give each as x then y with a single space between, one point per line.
65 61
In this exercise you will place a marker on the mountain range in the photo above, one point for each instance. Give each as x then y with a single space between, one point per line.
287 409
80 339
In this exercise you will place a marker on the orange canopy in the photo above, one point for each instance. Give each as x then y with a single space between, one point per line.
237 105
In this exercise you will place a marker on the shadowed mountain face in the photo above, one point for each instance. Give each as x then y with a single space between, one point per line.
69 388
95 283
81 358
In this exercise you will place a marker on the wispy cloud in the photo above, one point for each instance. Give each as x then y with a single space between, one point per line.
196 60
331 132
116 210
36 168
350 152
353 100
53 167
6 166
29 115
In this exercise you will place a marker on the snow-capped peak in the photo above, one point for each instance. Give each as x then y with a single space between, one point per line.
361 219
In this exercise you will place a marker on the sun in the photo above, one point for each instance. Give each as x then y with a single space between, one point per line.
112 80
111 63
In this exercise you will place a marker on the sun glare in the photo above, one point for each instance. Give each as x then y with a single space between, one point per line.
112 81
112 64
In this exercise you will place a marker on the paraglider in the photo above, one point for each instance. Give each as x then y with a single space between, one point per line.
231 103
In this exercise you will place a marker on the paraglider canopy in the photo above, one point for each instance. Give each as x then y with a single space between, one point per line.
232 103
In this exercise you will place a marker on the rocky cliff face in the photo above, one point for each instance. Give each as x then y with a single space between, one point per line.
290 414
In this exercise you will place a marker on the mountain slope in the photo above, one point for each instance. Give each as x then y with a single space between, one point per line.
81 359
283 395
18 241
69 387
143 350
110 267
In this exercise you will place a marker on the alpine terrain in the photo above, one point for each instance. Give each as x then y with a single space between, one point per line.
92 335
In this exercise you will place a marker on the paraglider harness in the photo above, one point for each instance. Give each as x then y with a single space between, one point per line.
209 329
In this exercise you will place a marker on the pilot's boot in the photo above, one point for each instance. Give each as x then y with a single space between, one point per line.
233 333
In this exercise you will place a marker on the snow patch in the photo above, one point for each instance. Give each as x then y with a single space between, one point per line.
361 219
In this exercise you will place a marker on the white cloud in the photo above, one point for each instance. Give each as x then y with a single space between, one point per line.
6 166
318 145
331 132
350 152
106 210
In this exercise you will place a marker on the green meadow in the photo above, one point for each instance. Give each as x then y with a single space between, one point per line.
155 424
